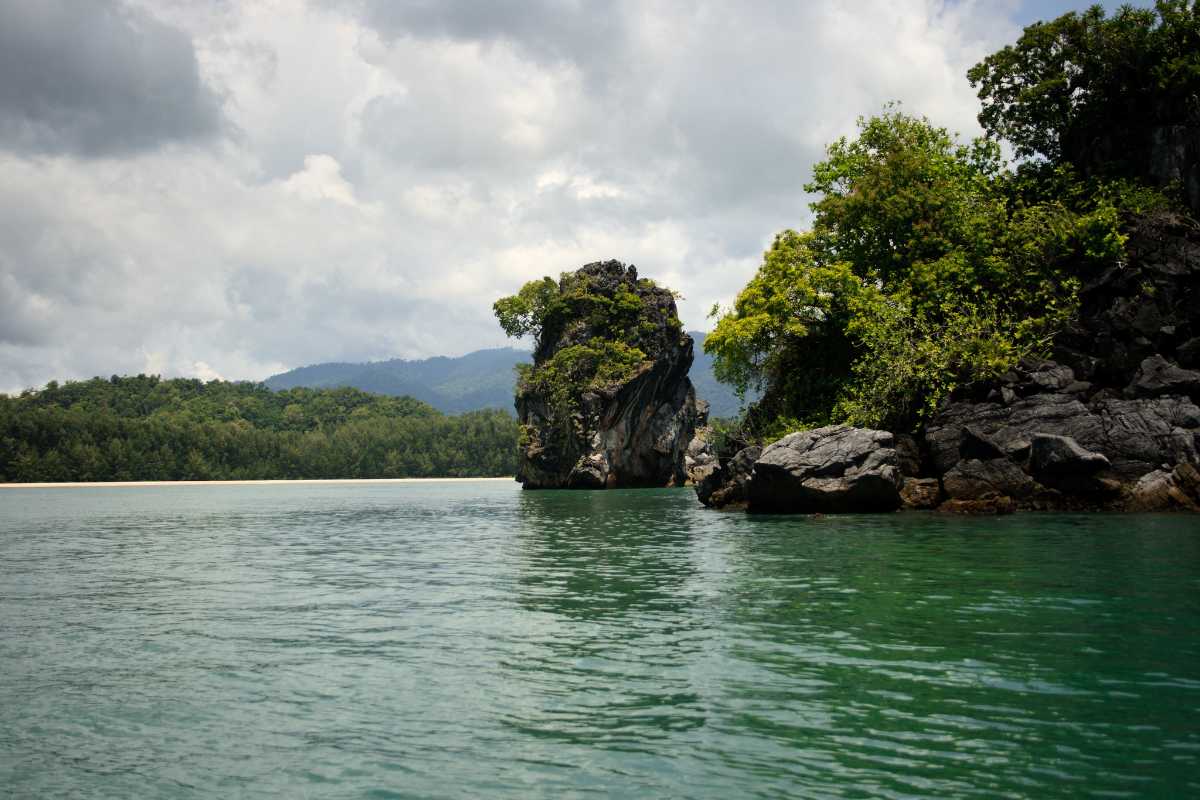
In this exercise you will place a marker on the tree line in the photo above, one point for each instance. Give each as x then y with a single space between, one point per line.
147 428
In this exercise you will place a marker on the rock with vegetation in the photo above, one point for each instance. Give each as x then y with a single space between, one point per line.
1035 329
607 402
1113 97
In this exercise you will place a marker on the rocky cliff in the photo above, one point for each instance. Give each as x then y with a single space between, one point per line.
1112 423
607 402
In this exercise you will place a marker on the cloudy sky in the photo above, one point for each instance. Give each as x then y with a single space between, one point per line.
236 187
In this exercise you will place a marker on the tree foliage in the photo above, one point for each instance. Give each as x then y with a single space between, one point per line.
591 329
924 270
144 428
1083 79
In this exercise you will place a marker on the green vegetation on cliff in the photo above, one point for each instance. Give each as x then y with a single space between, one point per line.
1095 91
145 428
931 264
589 331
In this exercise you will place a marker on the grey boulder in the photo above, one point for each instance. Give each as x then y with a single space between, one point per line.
830 469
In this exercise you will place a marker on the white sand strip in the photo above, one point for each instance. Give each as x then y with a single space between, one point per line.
131 484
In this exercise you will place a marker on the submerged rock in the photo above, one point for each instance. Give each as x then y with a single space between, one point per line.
830 469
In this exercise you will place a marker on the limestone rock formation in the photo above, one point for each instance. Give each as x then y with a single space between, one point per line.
1063 443
830 469
608 402
1112 422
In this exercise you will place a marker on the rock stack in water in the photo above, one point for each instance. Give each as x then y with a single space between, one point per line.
608 402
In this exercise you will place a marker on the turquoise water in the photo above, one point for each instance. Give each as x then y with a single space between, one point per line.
471 640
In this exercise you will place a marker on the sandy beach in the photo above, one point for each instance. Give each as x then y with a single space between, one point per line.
135 484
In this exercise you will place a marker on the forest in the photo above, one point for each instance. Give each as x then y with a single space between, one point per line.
145 428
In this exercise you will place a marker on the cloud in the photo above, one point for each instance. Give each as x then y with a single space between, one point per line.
365 178
97 78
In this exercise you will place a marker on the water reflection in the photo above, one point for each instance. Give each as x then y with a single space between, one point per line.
474 640
604 556
608 579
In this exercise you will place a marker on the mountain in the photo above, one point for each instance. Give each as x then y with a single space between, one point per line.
723 401
482 379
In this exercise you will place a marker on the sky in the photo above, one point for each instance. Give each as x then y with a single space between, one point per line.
233 188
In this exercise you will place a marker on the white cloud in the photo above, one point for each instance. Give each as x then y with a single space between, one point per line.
381 174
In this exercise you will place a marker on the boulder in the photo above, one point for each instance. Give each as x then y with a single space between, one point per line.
1060 462
920 493
727 484
974 479
1157 377
1053 456
830 469
1167 490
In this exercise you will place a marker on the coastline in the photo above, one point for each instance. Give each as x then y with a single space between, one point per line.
296 482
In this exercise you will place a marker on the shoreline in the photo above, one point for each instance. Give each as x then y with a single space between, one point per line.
274 482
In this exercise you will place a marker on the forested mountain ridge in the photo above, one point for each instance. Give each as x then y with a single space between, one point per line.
477 380
480 379
145 428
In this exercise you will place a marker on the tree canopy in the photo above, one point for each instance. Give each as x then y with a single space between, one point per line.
1086 88
145 428
926 268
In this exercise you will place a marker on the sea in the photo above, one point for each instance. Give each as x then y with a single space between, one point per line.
472 640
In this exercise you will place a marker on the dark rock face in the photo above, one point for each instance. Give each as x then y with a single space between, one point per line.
633 433
830 469
1054 450
728 484
1148 306
1162 149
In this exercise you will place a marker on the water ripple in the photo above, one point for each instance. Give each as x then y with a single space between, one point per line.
461 640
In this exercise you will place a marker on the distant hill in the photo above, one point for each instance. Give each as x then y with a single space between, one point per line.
482 379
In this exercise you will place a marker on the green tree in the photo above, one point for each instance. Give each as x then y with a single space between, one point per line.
1094 91
922 271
